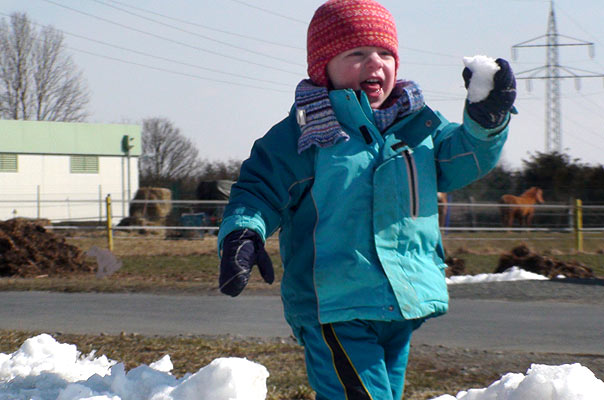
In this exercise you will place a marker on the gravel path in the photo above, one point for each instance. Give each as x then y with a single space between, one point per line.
558 290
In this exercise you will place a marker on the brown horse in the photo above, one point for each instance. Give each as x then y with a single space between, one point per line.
524 211
443 208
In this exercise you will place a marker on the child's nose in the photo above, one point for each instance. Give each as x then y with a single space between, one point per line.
374 60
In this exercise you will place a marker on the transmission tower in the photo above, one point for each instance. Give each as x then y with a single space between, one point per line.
552 72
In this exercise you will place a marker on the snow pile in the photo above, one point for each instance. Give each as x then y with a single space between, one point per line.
543 382
483 70
44 355
43 369
510 274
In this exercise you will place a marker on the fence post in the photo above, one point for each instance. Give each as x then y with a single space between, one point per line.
579 224
38 201
109 230
100 203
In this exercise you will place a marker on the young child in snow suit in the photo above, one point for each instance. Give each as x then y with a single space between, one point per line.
350 178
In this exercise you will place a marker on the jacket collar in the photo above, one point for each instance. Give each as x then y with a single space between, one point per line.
320 125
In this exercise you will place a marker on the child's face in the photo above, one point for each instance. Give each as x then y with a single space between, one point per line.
370 69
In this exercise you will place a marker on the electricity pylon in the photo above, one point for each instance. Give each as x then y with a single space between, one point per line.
552 72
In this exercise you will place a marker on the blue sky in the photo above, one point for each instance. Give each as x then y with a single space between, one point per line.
224 71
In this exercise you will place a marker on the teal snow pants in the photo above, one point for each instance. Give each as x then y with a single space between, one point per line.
358 360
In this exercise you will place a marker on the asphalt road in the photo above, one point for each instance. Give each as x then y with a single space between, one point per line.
478 324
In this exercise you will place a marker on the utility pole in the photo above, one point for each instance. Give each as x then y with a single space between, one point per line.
552 72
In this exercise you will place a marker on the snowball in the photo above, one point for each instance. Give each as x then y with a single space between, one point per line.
483 69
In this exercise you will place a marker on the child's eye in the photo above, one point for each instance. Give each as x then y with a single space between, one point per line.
356 54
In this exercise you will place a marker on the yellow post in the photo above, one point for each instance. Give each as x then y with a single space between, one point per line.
109 230
579 224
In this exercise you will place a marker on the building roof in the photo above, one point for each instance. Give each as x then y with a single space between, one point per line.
46 137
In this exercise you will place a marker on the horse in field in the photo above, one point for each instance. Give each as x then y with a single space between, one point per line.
443 208
524 209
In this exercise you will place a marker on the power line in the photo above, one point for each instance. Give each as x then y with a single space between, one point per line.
208 27
270 12
258 53
174 72
578 24
586 129
168 70
434 53
170 40
600 109
175 61
163 58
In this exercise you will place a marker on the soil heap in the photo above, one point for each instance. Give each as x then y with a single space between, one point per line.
28 250
521 256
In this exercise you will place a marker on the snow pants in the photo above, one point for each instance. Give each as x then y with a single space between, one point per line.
358 360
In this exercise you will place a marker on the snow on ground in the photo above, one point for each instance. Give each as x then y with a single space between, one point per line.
43 369
511 274
543 382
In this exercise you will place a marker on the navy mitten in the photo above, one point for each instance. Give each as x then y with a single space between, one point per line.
492 111
241 250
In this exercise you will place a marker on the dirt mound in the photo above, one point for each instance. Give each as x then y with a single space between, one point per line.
28 250
457 266
521 256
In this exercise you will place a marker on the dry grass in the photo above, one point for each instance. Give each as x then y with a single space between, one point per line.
152 263
432 370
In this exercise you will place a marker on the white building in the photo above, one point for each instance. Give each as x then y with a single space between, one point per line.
64 171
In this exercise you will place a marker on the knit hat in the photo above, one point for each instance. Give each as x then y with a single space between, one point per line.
340 25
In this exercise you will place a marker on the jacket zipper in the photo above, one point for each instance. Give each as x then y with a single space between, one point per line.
412 183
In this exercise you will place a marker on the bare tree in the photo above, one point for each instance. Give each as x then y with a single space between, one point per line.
167 155
38 80
215 170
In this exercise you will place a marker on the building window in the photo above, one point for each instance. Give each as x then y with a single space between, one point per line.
8 163
84 165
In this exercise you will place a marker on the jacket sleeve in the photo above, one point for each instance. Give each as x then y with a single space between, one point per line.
268 182
465 153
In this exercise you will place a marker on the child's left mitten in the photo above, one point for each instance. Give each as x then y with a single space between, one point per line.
492 111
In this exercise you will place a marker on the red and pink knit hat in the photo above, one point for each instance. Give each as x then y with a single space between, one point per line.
340 25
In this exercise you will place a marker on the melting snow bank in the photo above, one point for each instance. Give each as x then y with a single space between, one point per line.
543 382
43 369
511 274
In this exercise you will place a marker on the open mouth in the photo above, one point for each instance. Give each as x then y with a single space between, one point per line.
372 86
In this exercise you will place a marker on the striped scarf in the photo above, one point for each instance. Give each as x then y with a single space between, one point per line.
318 121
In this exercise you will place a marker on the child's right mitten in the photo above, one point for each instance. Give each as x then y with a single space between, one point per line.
241 250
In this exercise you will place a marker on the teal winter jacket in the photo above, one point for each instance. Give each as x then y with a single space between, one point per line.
359 235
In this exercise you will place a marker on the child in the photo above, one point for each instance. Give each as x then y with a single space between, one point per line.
350 178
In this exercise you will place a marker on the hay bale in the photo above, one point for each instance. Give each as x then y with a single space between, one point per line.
151 210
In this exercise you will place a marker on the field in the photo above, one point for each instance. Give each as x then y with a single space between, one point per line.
153 264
